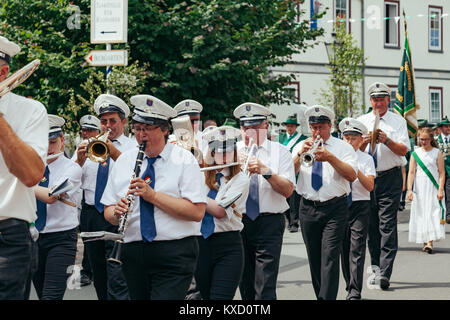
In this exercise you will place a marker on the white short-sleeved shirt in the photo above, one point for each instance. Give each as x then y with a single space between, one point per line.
278 158
239 183
29 121
333 184
395 128
177 174
60 216
367 167
90 168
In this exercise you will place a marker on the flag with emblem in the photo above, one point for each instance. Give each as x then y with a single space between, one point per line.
405 100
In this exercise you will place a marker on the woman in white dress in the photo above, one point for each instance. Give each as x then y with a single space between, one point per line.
425 225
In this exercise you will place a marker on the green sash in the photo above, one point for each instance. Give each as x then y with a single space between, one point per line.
425 169
285 143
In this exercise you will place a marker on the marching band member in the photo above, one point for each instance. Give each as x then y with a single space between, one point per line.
290 139
354 246
113 112
221 255
272 182
57 221
23 151
90 127
160 250
324 187
392 145
193 109
443 141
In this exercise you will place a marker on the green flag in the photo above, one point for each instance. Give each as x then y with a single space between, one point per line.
405 102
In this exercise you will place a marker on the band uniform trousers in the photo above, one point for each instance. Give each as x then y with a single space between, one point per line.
159 270
383 237
86 266
57 251
292 213
447 193
15 258
323 229
220 265
34 267
109 281
354 247
262 240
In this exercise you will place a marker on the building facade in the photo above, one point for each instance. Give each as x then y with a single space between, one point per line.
378 28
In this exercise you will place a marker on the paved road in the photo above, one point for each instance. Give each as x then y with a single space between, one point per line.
416 275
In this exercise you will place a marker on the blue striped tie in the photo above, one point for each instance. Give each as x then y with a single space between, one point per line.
316 175
102 179
374 156
252 205
42 206
148 227
208 225
349 197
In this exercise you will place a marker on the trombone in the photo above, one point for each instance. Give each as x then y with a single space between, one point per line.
18 77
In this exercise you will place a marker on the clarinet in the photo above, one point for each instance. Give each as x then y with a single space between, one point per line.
116 252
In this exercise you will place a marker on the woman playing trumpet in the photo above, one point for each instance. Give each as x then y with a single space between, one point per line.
221 257
160 251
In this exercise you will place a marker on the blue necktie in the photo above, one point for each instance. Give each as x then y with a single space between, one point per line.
148 227
42 206
316 175
374 156
102 179
208 225
252 205
349 197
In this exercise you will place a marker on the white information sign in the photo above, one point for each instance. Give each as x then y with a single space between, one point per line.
109 21
98 58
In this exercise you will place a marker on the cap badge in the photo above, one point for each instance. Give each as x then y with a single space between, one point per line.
377 85
248 107
316 109
149 102
89 117
187 104
347 122
222 132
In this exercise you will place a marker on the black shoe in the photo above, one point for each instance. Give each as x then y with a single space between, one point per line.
85 280
401 208
293 229
448 220
384 283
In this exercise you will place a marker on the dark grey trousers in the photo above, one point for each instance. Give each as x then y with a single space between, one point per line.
447 194
323 229
15 258
383 237
354 247
262 240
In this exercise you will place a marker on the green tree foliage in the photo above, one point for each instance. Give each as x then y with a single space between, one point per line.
218 52
343 91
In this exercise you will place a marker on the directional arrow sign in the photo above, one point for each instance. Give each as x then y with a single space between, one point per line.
98 58
109 21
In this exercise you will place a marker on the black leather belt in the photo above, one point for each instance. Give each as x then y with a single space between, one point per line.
324 203
8 223
382 173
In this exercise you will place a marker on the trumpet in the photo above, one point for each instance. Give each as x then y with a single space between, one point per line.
252 147
307 158
97 149
117 249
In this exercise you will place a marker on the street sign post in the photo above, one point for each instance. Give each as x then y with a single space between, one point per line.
98 58
109 21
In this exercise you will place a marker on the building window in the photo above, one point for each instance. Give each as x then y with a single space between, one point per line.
342 12
393 97
391 24
435 28
435 104
292 91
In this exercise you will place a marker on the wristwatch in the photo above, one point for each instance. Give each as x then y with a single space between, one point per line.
268 174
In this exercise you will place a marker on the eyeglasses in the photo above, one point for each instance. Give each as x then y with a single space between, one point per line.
146 129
